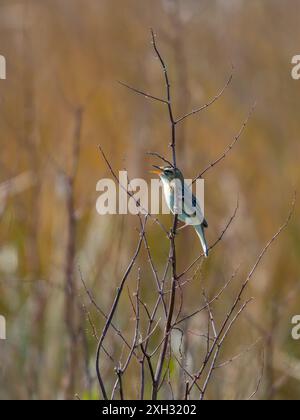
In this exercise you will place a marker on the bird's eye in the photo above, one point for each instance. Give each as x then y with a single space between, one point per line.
168 171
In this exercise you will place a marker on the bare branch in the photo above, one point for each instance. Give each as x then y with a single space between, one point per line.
260 379
158 361
131 195
187 394
137 325
160 157
215 243
227 325
113 310
229 148
216 347
238 356
208 104
149 363
155 273
171 307
119 374
217 296
136 309
144 94
211 317
99 310
264 251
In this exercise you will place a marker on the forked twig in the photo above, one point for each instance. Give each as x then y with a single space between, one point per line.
229 321
113 310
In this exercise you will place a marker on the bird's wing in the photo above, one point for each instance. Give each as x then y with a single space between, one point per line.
192 208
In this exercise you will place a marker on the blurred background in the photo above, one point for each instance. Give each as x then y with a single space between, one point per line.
61 99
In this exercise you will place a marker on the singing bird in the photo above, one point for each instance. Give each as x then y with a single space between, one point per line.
181 201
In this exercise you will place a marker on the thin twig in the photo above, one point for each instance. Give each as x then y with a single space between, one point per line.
144 94
234 358
229 148
208 104
260 379
159 156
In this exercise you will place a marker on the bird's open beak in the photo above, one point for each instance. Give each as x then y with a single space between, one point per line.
158 170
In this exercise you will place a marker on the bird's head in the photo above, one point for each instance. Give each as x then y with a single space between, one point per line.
168 173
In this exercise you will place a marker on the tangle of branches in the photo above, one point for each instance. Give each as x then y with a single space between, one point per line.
151 346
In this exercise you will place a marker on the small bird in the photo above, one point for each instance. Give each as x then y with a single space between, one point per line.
181 201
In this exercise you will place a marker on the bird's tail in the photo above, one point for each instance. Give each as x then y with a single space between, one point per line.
200 232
